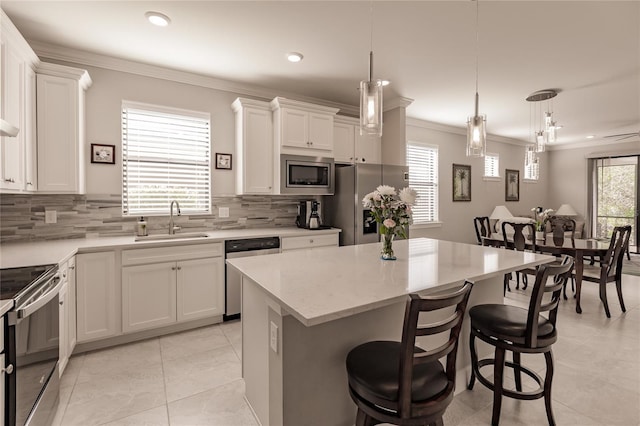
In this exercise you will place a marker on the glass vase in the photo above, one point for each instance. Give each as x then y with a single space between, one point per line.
387 247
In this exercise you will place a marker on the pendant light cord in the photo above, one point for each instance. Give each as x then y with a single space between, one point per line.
477 43
371 43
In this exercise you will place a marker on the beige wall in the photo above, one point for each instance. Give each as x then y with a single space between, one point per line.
103 106
457 217
569 176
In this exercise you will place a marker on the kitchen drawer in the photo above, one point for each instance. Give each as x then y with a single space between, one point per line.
171 253
310 241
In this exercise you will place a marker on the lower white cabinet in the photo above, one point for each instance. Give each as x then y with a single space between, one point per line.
67 312
308 242
160 288
98 304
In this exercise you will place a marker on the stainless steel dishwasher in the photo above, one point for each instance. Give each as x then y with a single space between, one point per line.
234 249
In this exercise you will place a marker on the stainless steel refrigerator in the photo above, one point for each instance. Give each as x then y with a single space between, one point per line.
344 209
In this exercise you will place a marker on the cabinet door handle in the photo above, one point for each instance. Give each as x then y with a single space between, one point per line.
61 303
8 369
179 268
311 241
72 267
11 180
173 268
363 160
30 183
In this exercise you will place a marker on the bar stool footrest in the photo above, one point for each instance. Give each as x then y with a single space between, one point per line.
529 395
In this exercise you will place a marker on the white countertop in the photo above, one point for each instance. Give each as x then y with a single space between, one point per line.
324 284
13 255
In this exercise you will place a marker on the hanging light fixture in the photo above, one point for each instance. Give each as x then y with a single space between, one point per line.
476 125
371 98
547 126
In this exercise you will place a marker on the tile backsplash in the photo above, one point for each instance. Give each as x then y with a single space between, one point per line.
22 216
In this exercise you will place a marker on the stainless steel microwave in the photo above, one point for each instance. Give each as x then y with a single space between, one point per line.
302 175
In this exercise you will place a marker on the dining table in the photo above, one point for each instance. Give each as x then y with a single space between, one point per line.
577 248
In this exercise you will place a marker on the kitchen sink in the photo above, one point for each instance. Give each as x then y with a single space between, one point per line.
162 237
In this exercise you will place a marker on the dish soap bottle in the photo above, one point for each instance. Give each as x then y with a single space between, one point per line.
141 228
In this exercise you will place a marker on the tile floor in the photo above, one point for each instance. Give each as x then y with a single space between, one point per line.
194 377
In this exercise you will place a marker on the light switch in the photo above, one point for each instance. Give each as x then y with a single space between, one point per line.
50 216
273 337
223 211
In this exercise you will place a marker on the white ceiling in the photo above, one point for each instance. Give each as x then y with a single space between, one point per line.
588 50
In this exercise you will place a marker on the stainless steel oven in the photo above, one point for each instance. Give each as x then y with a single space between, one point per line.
32 344
301 175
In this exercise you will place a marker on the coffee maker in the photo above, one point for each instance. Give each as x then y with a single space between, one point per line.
309 215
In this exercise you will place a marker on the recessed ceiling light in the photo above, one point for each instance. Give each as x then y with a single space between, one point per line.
294 57
157 18
591 136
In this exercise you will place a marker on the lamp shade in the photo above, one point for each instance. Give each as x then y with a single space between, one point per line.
501 212
566 210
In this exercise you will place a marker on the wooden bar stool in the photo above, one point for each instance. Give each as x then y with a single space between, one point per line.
401 383
519 330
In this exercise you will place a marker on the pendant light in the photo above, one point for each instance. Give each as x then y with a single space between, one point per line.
477 125
371 98
547 127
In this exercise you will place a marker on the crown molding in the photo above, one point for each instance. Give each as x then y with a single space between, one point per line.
75 56
400 101
595 142
462 131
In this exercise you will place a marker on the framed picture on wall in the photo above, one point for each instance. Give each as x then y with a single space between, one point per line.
461 182
103 154
511 185
223 161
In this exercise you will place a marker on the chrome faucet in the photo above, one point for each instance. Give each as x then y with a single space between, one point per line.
172 227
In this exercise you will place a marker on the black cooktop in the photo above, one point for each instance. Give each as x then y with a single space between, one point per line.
13 280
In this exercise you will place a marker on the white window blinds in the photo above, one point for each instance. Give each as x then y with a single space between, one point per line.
165 157
532 170
423 177
491 165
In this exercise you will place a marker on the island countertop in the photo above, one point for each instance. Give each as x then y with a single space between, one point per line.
324 284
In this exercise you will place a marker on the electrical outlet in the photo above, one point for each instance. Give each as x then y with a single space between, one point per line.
223 211
50 216
273 337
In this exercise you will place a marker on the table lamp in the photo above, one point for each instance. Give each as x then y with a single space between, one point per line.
501 212
566 210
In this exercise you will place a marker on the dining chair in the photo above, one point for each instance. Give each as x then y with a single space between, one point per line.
518 242
520 330
561 227
400 382
482 226
609 268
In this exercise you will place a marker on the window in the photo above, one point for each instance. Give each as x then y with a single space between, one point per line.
165 157
532 170
491 165
423 177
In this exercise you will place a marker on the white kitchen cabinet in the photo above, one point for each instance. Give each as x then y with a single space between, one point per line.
67 311
254 147
61 128
63 315
308 242
17 103
162 286
30 132
351 147
301 128
148 296
98 296
12 153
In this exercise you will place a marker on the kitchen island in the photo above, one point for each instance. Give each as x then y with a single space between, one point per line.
303 311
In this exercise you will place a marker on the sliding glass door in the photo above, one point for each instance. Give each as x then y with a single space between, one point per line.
615 202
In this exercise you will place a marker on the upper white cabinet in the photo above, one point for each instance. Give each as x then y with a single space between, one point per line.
61 128
17 100
254 147
351 147
302 128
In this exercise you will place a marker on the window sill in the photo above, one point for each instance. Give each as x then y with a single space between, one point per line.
426 225
529 180
492 178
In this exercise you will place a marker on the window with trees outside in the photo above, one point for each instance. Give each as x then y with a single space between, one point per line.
491 165
422 160
165 157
